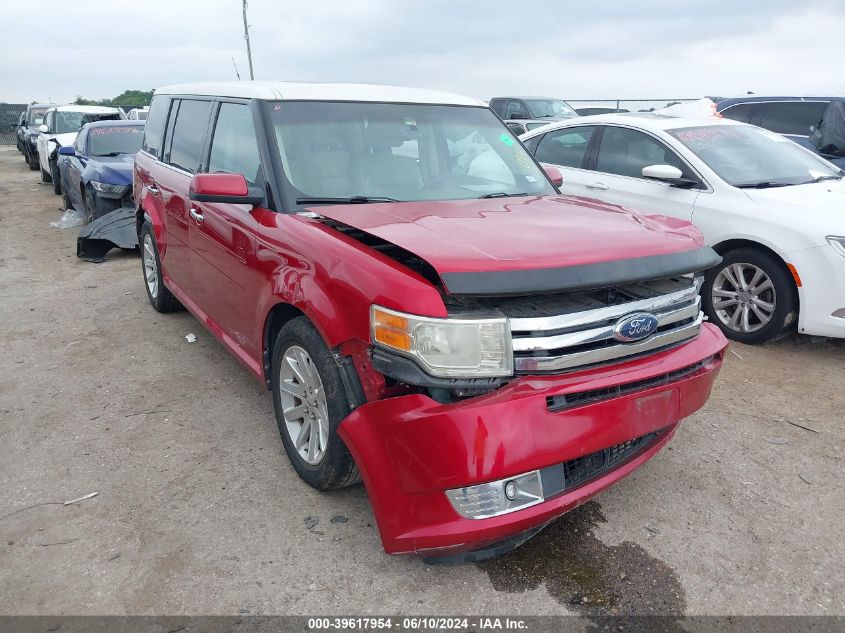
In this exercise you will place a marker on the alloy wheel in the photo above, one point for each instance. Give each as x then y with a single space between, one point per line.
150 266
304 408
744 297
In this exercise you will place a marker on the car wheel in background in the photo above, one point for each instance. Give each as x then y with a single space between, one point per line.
750 296
310 403
160 297
56 178
45 176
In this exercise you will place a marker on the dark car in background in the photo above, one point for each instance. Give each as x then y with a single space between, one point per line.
523 114
28 132
96 172
792 117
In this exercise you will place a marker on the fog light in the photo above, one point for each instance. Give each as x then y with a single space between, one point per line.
497 497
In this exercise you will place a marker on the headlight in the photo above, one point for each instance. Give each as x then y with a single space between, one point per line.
838 243
447 348
102 187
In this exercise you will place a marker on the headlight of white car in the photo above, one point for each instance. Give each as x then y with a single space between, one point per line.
838 243
447 348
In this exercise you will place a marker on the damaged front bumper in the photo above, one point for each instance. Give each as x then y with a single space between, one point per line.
115 229
411 450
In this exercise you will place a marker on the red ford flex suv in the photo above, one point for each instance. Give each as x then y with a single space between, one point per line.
430 314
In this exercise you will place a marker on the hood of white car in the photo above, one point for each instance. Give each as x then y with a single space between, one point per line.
824 197
64 139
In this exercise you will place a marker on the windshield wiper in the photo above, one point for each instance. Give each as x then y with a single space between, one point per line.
349 200
766 184
501 194
821 178
110 154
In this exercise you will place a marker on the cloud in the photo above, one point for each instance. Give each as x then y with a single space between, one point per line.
645 49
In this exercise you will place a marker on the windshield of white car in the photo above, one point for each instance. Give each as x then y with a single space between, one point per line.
36 117
750 157
402 152
546 108
69 121
115 140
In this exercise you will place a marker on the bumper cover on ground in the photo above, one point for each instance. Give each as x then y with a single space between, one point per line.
112 230
410 449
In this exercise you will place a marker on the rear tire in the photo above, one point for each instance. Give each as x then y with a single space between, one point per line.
750 296
310 403
160 297
56 178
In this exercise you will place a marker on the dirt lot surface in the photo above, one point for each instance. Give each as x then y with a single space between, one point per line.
199 512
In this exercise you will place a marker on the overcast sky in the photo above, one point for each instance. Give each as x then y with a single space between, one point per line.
578 50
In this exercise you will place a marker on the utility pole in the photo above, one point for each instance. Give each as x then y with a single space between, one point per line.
246 37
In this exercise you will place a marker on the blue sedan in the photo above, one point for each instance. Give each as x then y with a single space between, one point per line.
96 172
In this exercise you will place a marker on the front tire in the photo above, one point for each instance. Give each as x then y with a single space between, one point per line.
56 178
160 297
31 161
310 403
750 296
90 203
45 176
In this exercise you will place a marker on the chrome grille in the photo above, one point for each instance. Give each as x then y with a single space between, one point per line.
569 340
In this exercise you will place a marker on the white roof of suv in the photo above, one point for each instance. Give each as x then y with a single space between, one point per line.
314 91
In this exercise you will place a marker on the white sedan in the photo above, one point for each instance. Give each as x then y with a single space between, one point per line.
774 210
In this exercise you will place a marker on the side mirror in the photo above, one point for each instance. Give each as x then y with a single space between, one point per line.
669 174
43 129
66 150
224 189
554 175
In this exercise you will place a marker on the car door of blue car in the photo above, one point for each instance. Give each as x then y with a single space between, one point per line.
72 173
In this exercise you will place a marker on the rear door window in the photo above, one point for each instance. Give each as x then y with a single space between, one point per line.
234 148
516 109
189 134
566 147
793 117
741 112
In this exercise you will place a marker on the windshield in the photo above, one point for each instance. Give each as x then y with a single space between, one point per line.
116 140
545 108
73 121
36 116
747 156
400 151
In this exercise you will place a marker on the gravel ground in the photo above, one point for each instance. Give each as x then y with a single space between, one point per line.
199 512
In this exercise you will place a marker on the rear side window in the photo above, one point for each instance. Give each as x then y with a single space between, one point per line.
793 117
498 106
154 130
235 148
189 134
565 147
741 112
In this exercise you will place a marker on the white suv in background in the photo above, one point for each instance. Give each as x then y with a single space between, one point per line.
60 127
771 208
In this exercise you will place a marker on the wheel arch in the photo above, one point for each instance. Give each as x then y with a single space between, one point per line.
732 244
276 318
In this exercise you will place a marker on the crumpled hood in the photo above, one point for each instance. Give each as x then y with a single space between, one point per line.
114 170
526 234
63 139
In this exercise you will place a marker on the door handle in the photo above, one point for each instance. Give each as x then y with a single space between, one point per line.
152 189
197 216
597 185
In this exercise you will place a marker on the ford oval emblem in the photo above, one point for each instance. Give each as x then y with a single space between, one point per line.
635 327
